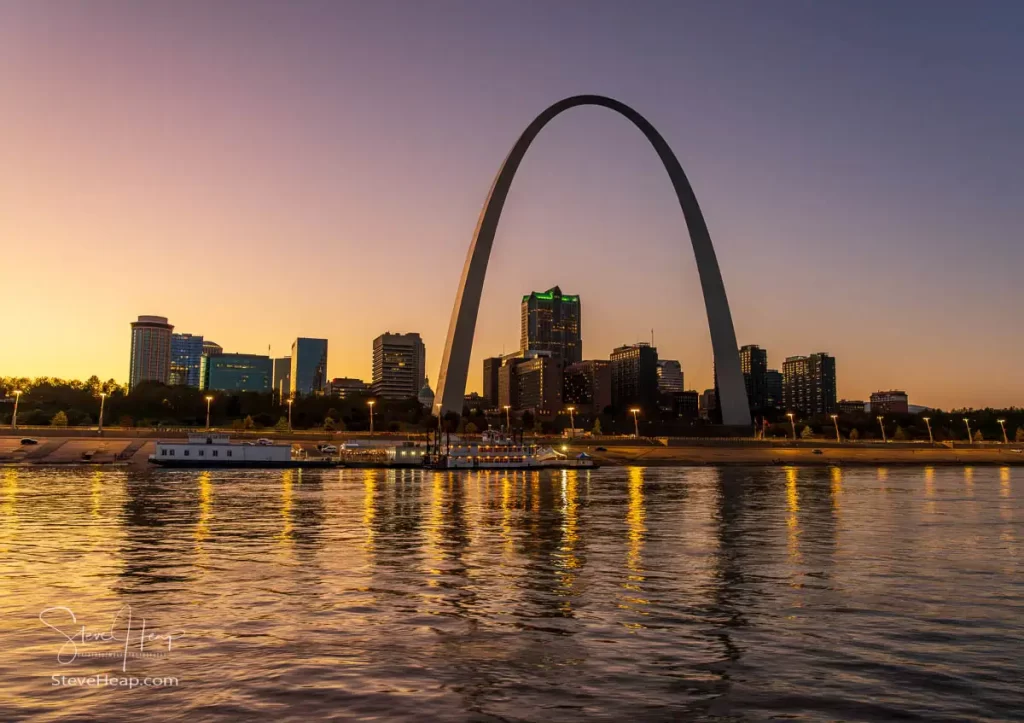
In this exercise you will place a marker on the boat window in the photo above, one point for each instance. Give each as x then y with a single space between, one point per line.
163 452
229 453
172 452
214 453
200 453
186 453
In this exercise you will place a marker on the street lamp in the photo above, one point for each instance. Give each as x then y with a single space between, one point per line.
209 399
881 424
290 402
792 424
103 398
14 419
371 403
572 422
928 422
508 420
1002 423
835 421
636 424
969 437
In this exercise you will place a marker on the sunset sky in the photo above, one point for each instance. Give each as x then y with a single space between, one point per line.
257 171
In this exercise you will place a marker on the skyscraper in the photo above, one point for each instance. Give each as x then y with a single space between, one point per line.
540 384
237 373
670 376
151 351
635 377
754 365
186 354
399 365
773 388
491 367
212 348
809 384
587 385
282 384
309 366
551 322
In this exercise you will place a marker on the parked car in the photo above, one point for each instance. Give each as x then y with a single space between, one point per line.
600 449
263 441
816 451
328 449
29 440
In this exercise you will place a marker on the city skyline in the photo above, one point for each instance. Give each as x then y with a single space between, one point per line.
855 250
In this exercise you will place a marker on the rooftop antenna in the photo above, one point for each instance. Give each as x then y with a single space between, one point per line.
652 337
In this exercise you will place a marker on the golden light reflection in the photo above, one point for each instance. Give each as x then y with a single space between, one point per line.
205 509
793 516
837 490
636 515
286 536
506 513
570 535
929 490
883 475
369 511
95 490
9 509
434 525
969 480
1004 481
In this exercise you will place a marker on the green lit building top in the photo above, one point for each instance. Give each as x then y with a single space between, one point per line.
551 322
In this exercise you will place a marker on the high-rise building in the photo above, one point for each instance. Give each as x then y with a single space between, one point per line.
186 355
283 377
851 406
708 403
491 367
890 402
343 387
237 373
508 385
309 366
754 365
587 385
540 384
773 388
551 322
809 384
151 351
635 377
684 404
211 348
399 365
670 376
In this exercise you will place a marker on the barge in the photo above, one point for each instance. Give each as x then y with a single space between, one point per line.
217 450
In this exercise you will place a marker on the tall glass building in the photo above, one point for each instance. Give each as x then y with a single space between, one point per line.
551 322
309 366
186 357
237 373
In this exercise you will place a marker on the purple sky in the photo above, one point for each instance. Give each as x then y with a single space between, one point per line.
258 171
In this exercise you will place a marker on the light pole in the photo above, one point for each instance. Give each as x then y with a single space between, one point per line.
572 422
636 424
1002 423
371 403
14 419
103 398
928 422
209 399
969 437
881 424
792 424
508 420
290 402
835 421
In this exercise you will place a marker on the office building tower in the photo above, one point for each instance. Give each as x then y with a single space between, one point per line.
634 371
491 367
684 404
237 373
754 365
551 322
309 366
186 355
587 385
211 348
708 403
399 365
343 387
282 382
150 351
809 384
851 406
670 376
773 389
539 382
890 402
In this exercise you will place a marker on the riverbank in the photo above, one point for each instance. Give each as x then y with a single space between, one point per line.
133 451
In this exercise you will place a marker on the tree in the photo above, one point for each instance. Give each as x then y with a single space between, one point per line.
1019 437
471 428
328 424
60 419
807 433
248 423
854 435
282 425
900 434
597 427
978 437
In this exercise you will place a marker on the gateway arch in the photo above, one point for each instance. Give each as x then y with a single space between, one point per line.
451 387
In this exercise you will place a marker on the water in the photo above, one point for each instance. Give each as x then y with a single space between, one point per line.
619 594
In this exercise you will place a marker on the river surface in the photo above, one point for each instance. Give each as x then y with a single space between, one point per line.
619 594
